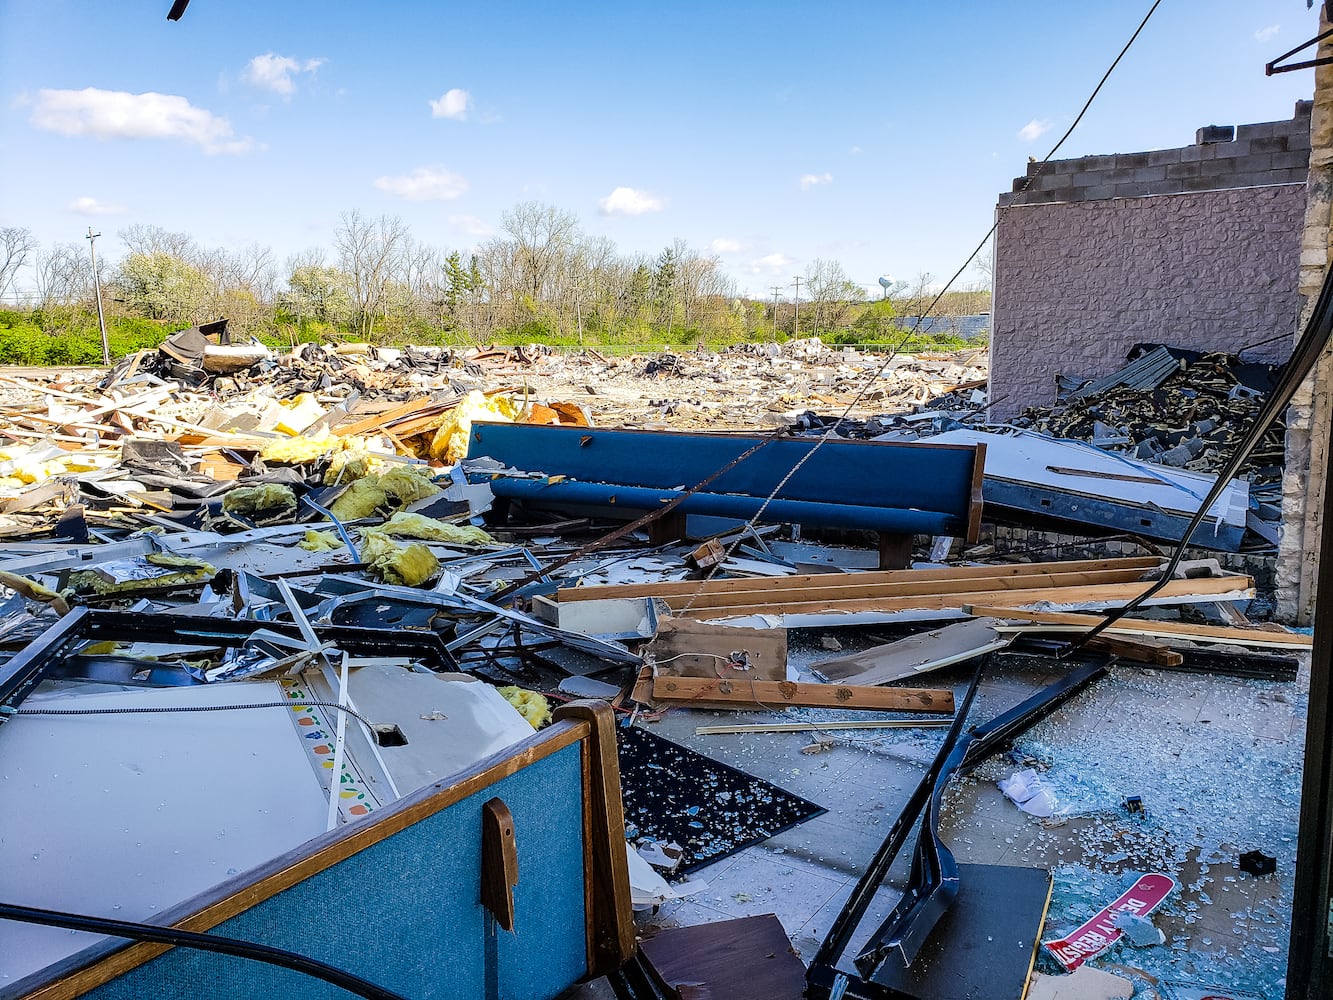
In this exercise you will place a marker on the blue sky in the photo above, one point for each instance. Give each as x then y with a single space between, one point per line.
877 135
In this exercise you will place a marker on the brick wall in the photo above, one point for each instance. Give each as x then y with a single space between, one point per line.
1196 247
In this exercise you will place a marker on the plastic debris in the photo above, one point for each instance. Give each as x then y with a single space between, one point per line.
1029 792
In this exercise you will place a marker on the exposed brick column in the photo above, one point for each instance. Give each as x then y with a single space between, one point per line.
1310 418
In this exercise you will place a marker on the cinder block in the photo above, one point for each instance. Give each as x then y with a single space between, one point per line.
1193 169
1298 159
1268 144
1097 192
1146 174
1261 130
1161 157
1215 133
1132 160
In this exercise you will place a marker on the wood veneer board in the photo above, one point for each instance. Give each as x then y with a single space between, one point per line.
1162 629
376 421
1101 594
804 581
749 958
741 691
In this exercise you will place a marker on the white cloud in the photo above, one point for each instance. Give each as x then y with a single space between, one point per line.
425 184
810 180
1267 34
725 246
854 150
452 104
773 263
117 114
471 225
627 201
1034 129
91 206
274 72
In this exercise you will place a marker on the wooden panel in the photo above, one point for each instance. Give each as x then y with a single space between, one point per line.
741 691
685 647
499 862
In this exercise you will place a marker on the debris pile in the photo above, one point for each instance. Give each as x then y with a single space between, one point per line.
1185 414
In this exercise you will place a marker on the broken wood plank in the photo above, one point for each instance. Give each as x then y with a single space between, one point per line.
736 692
852 590
812 727
1255 636
1137 650
1100 595
803 582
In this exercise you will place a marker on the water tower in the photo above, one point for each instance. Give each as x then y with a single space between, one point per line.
886 282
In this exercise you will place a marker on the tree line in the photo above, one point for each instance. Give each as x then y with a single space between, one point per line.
540 278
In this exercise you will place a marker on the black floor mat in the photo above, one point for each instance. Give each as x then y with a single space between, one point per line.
711 810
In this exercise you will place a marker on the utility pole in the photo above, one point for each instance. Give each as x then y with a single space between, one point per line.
97 291
776 289
796 322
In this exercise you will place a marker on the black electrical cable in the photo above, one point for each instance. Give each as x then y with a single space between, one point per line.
203 942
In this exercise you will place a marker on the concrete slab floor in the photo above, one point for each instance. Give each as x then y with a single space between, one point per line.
1216 760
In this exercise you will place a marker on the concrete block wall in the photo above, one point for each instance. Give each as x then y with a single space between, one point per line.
1262 154
1184 246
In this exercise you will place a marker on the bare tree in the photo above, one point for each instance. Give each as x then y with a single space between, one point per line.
369 252
144 239
830 292
16 245
543 234
64 276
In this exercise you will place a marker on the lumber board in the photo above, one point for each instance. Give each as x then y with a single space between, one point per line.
804 582
1257 636
1105 595
734 692
854 591
378 421
1138 650
815 727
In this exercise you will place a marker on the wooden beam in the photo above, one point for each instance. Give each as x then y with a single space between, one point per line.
1256 636
814 727
740 692
805 581
848 588
1098 595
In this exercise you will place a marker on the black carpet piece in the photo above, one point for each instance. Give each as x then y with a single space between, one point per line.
710 809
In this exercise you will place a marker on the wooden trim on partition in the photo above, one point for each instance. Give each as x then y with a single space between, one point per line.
974 508
807 581
102 963
611 937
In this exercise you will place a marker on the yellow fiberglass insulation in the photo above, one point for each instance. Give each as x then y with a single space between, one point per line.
395 489
403 565
256 499
450 442
405 525
153 571
319 541
530 705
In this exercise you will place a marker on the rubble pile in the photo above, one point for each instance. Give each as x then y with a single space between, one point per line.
1189 420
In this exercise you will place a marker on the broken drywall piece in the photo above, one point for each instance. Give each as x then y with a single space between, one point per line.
916 654
1085 983
648 888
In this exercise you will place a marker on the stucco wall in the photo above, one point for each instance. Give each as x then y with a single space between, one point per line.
1077 284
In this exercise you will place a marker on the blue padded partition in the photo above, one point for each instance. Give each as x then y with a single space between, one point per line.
885 486
405 913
